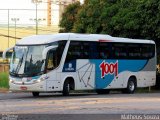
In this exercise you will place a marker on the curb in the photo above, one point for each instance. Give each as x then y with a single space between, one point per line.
4 90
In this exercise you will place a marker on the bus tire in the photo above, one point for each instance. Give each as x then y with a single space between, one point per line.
35 94
131 86
66 88
102 91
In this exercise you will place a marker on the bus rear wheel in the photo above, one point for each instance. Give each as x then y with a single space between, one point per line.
131 86
35 94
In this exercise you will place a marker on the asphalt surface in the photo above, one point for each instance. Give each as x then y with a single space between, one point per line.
80 104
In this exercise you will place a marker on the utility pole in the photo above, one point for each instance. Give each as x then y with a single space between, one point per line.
37 20
8 28
36 2
62 4
49 13
15 21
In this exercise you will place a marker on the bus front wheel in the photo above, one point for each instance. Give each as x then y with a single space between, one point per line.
35 94
66 88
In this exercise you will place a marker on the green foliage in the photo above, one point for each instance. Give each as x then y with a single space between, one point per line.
150 19
4 80
88 18
68 18
138 19
114 17
125 18
150 22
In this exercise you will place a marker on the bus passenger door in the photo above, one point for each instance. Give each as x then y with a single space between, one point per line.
53 83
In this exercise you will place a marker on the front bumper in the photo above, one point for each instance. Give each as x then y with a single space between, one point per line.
40 87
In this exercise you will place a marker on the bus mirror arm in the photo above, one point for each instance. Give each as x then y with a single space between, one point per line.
44 53
5 52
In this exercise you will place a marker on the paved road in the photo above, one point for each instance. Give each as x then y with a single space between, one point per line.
24 103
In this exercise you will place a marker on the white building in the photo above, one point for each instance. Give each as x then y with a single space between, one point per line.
18 19
28 10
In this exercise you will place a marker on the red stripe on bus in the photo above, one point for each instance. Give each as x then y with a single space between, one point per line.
105 40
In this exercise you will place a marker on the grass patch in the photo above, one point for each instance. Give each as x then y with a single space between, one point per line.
4 80
142 90
153 89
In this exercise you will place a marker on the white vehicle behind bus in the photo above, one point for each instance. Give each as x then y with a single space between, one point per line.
68 61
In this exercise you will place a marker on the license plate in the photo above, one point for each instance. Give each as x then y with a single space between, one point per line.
23 88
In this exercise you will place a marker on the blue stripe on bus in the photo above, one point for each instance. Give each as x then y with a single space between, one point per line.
123 65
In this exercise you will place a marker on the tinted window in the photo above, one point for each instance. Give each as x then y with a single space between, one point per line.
119 50
60 49
148 51
74 51
134 51
94 53
82 50
85 48
55 55
105 50
108 50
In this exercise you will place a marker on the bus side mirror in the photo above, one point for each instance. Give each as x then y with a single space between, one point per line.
45 51
5 52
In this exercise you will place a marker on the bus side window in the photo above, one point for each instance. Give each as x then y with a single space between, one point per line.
52 62
50 65
82 50
134 51
86 50
104 50
74 51
94 53
59 52
120 50
148 51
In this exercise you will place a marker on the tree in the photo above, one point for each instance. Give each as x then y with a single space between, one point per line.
114 17
138 19
150 19
68 17
125 23
91 18
122 18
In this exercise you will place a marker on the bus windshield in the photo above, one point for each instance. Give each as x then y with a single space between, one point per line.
27 61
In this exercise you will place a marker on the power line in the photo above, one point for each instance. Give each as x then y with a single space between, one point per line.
29 29
16 31
9 36
27 9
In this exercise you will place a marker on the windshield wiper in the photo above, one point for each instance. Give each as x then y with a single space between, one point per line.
19 65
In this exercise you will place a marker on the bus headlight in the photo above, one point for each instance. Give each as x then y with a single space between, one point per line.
40 79
44 78
37 81
11 81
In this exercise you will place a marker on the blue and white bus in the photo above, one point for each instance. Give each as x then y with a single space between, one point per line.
67 61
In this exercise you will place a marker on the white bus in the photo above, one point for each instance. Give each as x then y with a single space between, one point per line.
68 61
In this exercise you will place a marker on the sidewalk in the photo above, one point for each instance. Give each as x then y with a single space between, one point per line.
4 90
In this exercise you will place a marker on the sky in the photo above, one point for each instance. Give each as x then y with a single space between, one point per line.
25 16
18 4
